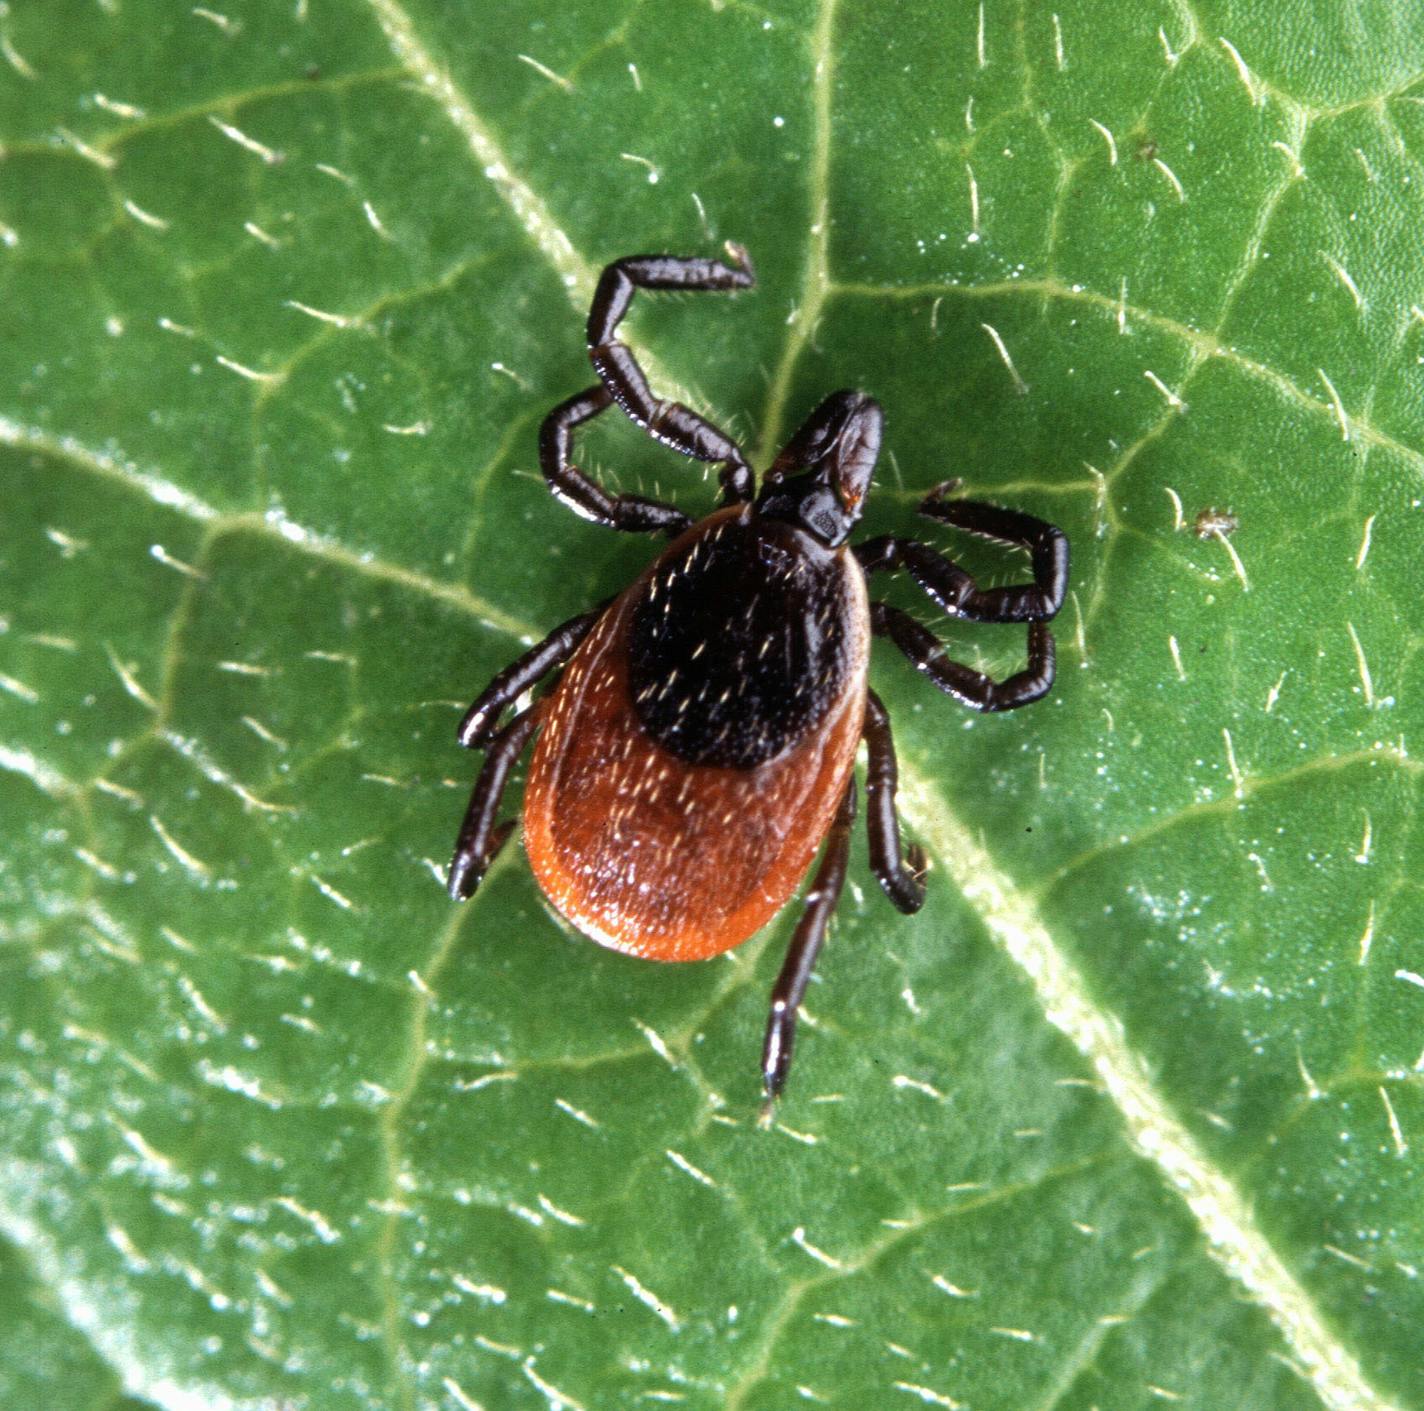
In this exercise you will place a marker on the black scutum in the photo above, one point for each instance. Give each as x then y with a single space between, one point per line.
738 643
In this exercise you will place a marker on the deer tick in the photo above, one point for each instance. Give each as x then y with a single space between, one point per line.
698 745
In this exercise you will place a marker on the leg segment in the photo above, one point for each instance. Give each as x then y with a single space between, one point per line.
954 590
970 687
480 836
902 883
584 496
790 987
669 422
478 726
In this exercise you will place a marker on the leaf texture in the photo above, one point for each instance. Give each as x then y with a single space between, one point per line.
1129 1116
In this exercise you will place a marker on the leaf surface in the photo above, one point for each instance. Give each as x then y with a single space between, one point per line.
1129 1115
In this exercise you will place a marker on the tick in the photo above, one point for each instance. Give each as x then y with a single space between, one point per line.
698 745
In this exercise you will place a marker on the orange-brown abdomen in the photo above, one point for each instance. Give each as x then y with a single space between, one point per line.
644 850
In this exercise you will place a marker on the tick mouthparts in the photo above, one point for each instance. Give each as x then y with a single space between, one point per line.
857 450
838 443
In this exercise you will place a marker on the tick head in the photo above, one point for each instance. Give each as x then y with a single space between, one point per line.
820 480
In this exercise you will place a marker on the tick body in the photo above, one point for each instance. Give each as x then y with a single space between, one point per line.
698 745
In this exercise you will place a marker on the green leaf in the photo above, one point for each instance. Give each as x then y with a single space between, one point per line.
1129 1115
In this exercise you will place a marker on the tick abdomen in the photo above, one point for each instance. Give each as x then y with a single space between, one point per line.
678 824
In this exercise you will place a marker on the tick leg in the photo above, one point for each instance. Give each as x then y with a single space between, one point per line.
790 987
480 836
478 726
901 883
669 422
972 688
584 496
954 590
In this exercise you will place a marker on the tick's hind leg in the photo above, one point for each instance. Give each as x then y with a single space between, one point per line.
480 836
669 422
901 880
790 987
